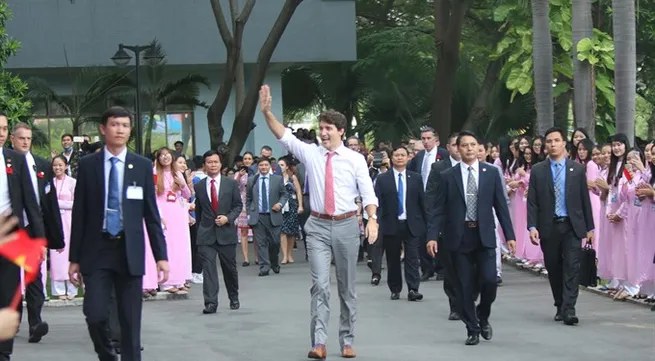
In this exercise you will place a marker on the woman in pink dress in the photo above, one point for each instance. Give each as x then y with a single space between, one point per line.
242 222
60 286
585 152
151 276
646 228
604 224
172 191
517 207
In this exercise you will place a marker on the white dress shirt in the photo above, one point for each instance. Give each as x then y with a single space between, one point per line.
350 172
120 168
453 162
429 158
5 198
31 166
465 174
209 186
403 175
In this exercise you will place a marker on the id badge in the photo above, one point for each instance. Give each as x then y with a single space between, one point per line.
613 198
171 197
637 202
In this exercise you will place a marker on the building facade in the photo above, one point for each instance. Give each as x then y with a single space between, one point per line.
61 37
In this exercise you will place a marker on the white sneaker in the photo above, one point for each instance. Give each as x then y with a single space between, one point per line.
197 278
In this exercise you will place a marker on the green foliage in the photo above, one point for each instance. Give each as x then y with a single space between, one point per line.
12 88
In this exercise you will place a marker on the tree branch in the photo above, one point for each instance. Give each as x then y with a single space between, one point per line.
223 29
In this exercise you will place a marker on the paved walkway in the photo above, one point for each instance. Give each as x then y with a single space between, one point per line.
273 324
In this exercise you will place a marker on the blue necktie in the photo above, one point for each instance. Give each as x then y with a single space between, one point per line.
264 196
401 197
113 204
558 190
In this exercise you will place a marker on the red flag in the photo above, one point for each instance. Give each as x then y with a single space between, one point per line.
627 175
27 253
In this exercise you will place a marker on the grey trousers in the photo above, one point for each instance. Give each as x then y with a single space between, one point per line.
268 243
324 239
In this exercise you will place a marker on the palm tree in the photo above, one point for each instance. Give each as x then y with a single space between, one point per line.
625 68
160 92
584 97
542 50
90 88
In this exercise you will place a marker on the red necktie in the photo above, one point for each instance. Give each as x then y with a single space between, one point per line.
329 186
214 196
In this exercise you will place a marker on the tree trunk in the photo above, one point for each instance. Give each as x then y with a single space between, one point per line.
625 69
240 78
542 52
583 103
149 127
480 106
562 109
244 119
232 44
449 20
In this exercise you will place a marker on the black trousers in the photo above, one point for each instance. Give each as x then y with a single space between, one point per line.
392 246
562 260
114 322
227 256
34 298
9 282
196 262
474 268
449 274
428 264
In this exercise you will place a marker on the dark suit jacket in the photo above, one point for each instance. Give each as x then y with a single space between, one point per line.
21 193
416 164
450 210
431 191
387 193
89 214
229 205
277 193
49 204
541 199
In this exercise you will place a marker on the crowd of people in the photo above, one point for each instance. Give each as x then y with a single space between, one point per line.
327 193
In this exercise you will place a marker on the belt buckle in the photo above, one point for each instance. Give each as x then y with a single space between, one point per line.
471 224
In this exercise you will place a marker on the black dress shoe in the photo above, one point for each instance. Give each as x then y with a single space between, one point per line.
5 357
395 296
209 309
558 317
453 316
414 296
276 269
426 276
486 331
37 332
499 281
234 305
245 264
375 280
440 277
472 340
262 274
571 320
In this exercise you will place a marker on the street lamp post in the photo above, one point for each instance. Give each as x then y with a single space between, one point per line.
121 59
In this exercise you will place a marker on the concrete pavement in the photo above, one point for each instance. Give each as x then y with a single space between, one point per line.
273 324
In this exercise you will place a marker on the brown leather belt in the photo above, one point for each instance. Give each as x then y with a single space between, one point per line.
471 224
338 217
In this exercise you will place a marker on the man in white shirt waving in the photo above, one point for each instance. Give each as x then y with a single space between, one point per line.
332 228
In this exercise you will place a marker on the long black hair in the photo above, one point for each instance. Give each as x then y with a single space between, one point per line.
615 171
589 145
573 151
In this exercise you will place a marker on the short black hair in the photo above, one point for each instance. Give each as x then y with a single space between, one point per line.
556 130
452 135
198 161
267 148
264 159
399 147
178 142
115 112
67 135
61 158
465 133
210 153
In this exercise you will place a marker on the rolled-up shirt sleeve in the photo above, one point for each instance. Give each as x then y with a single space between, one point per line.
297 147
364 183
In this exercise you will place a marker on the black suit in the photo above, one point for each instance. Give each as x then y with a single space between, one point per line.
49 205
429 265
561 237
395 232
117 263
22 199
443 258
472 245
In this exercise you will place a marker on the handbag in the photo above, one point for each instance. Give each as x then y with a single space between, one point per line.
588 266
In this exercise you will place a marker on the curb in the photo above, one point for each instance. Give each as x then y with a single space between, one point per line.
161 296
594 290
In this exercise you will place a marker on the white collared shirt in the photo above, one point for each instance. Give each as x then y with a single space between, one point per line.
429 158
350 172
5 197
31 167
465 174
403 175
120 168
453 162
217 185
